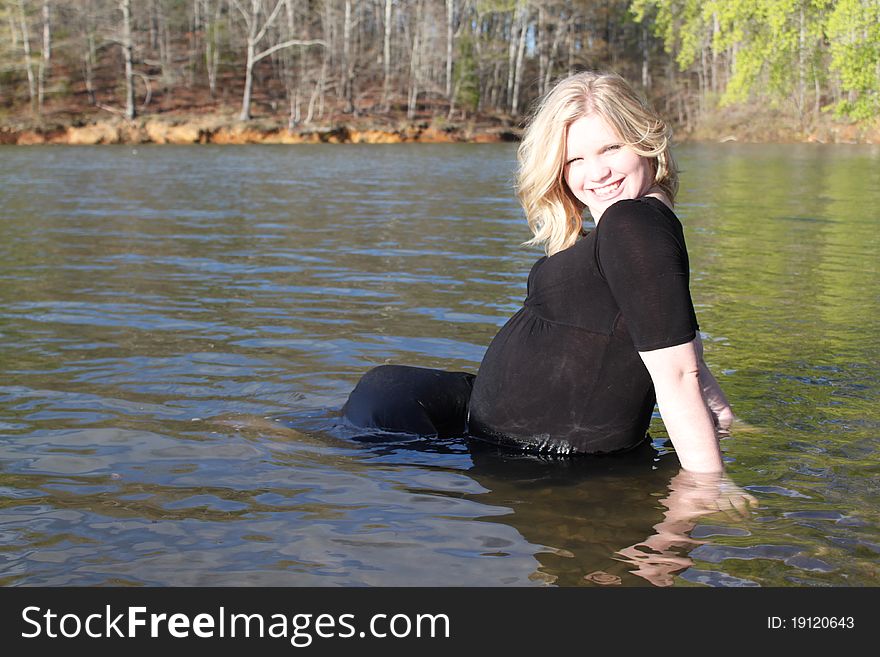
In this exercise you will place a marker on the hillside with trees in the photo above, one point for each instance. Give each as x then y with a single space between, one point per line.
195 70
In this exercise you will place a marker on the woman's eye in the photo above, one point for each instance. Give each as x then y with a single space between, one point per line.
612 147
574 159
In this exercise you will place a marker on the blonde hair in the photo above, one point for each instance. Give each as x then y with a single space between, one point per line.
553 212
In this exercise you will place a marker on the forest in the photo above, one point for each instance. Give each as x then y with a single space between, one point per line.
792 66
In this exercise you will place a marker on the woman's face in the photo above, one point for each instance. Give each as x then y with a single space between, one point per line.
600 169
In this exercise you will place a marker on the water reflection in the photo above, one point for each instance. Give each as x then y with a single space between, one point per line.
605 520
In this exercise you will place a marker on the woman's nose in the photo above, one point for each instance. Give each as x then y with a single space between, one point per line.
598 172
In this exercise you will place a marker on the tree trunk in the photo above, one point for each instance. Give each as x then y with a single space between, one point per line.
521 49
154 27
541 47
245 114
347 64
195 43
46 58
386 58
802 76
450 39
703 74
164 54
512 50
478 54
212 46
291 83
128 55
415 63
716 28
554 48
26 46
318 92
89 66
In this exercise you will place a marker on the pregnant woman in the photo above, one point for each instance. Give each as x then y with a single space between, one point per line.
607 328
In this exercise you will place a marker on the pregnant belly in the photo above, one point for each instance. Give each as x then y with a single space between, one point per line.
552 387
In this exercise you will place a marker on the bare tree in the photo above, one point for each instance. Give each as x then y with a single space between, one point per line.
255 33
86 46
523 21
499 53
128 55
450 40
291 84
45 57
415 63
347 63
212 11
26 47
386 56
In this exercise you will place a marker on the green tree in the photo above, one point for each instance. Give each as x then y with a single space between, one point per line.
679 23
778 45
854 37
467 83
769 48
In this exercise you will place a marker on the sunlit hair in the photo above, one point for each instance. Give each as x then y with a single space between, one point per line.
553 212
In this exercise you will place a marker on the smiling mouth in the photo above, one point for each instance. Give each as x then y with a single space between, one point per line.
607 190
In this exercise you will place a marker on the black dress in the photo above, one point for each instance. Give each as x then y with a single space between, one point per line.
563 375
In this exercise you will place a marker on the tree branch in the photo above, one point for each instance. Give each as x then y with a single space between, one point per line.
245 15
269 22
287 44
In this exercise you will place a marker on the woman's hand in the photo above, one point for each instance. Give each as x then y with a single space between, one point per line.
694 494
691 496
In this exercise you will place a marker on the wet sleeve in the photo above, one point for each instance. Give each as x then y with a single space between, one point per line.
642 256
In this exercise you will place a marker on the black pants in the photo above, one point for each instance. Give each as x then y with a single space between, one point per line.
415 400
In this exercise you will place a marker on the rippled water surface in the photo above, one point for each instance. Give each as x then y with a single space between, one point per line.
179 327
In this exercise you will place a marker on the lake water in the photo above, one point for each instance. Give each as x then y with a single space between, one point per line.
179 327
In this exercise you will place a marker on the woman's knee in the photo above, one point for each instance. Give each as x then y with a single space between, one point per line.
417 400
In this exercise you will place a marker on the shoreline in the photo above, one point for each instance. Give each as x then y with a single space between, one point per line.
222 129
218 130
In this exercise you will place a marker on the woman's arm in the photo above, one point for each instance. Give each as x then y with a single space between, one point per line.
642 255
675 372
